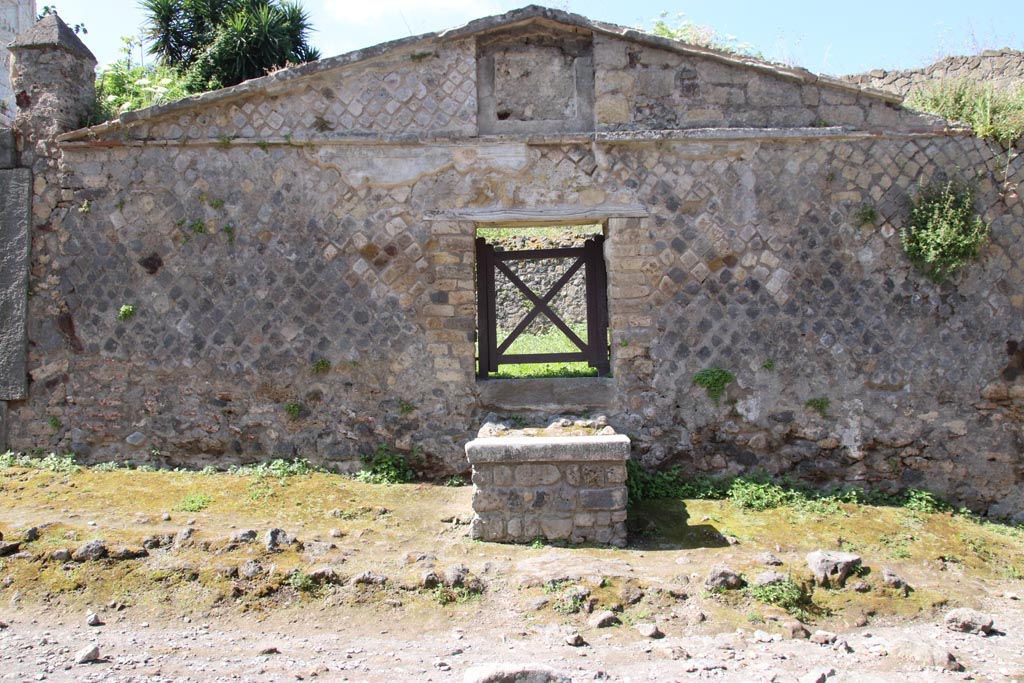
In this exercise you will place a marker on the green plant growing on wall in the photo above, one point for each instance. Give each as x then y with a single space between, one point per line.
387 466
405 408
126 312
943 232
321 366
197 227
865 215
768 364
86 207
54 423
294 409
714 380
819 404
229 230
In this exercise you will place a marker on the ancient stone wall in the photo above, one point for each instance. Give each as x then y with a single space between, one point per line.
643 87
1000 68
312 294
15 16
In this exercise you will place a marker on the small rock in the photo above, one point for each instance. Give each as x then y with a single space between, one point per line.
514 673
250 569
456 575
157 541
183 538
823 637
124 553
30 534
335 533
769 559
61 555
769 578
267 651
7 548
723 578
93 619
832 566
603 619
368 578
430 580
631 593
649 630
246 536
924 652
325 576
765 637
862 587
817 676
792 629
166 516
969 621
93 550
575 640
87 654
671 651
893 579
135 438
276 538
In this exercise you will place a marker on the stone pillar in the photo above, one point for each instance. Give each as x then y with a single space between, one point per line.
15 209
53 75
15 17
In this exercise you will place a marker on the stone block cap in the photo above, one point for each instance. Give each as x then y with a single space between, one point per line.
51 31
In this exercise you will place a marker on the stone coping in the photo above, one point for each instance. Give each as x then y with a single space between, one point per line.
551 395
515 449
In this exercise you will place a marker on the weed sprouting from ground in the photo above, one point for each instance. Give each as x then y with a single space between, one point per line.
50 462
387 466
194 502
790 595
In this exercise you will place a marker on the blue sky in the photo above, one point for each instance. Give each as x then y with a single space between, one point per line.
833 38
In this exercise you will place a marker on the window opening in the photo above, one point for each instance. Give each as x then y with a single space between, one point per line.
542 302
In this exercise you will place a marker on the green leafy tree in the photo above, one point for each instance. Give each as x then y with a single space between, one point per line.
127 85
52 9
219 43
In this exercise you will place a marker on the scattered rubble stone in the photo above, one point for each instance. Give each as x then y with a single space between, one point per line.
276 538
924 652
817 676
93 619
673 651
244 536
250 569
127 553
832 568
91 551
368 578
325 576
574 639
512 673
30 534
823 637
723 578
649 630
603 619
456 575
88 654
157 541
430 580
891 578
61 555
183 538
969 621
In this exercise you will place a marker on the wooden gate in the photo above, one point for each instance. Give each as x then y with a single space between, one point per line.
589 257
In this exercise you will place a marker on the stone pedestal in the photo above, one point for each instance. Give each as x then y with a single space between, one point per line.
570 488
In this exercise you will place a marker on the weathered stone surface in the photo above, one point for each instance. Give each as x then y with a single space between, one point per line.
723 578
15 209
91 551
603 619
968 621
924 652
832 568
514 673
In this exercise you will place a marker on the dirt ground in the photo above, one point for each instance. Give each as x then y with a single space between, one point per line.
351 599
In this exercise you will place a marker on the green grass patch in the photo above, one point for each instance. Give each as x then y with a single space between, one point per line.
551 340
194 502
993 113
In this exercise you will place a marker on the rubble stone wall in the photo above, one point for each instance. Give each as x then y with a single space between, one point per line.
1000 68
313 296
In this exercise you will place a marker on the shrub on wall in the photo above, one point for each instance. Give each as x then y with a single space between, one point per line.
993 113
944 232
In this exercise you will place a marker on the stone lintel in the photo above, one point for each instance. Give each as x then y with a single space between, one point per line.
523 449
549 215
555 395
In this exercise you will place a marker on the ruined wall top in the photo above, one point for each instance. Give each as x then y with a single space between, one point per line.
15 17
1002 68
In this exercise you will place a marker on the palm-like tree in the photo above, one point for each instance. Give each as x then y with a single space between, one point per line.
224 42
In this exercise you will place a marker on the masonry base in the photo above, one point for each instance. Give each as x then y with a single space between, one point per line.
560 488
